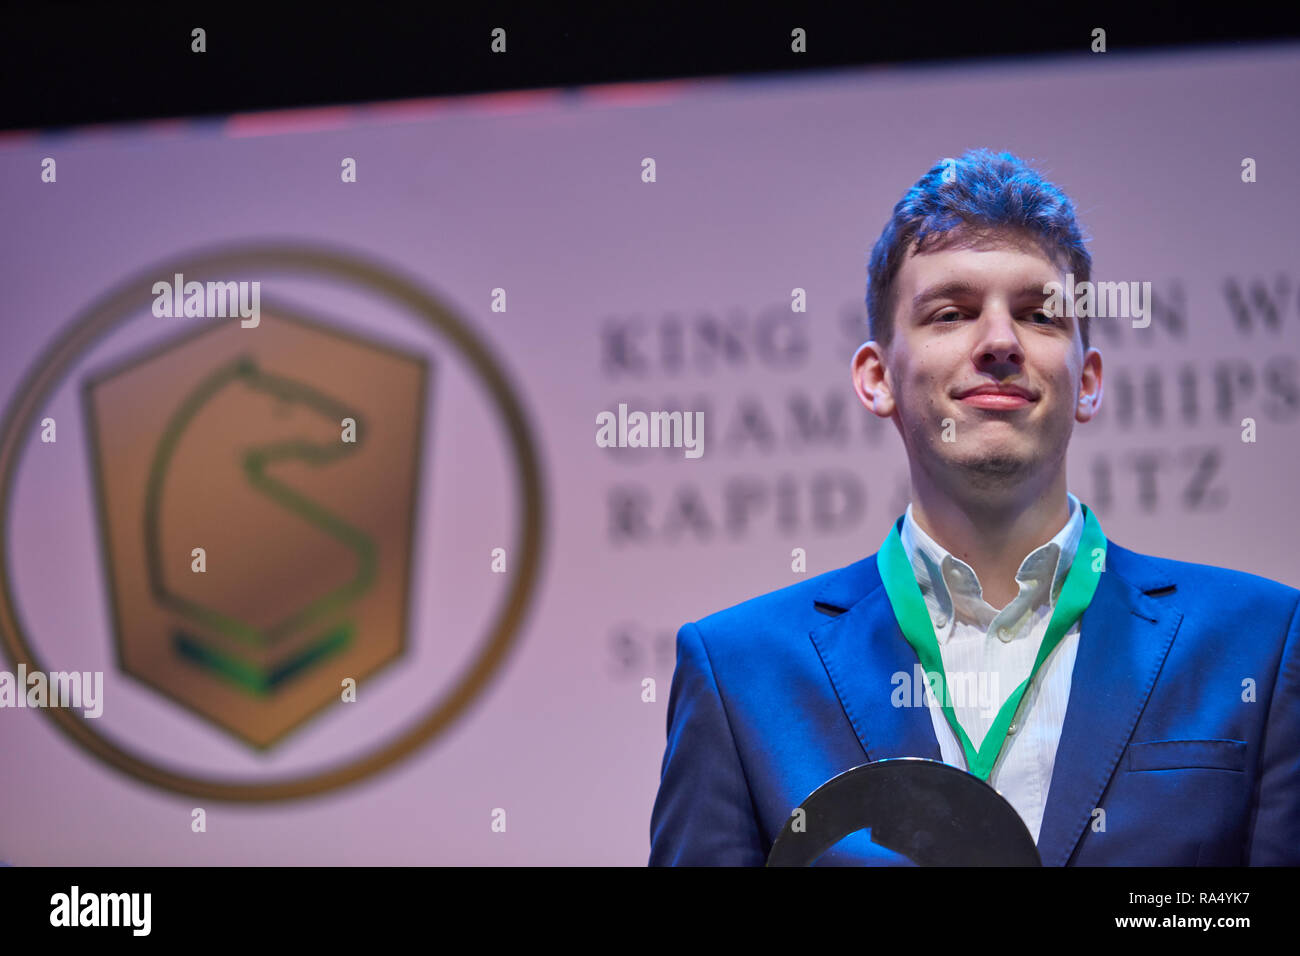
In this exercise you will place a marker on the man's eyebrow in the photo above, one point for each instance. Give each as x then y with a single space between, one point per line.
956 288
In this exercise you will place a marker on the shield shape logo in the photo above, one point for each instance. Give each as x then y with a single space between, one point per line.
252 557
255 499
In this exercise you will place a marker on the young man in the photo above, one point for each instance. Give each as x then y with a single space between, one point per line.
1133 710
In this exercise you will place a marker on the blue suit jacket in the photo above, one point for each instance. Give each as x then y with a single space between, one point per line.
773 697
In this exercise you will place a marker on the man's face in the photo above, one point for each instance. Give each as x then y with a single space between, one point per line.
971 316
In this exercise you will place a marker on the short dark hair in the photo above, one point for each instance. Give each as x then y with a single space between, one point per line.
988 192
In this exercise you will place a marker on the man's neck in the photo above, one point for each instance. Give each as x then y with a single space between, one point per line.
993 537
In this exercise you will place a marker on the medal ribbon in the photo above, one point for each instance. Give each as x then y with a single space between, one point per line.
914 620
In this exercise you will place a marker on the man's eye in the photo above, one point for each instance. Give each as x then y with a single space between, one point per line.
944 315
1046 315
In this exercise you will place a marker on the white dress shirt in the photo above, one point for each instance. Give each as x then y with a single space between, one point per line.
987 653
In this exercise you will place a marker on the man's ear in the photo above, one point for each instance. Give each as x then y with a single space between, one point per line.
1090 390
871 379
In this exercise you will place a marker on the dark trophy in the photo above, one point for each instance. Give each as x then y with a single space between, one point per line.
929 812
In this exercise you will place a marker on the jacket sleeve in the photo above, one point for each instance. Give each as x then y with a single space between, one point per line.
1275 828
703 814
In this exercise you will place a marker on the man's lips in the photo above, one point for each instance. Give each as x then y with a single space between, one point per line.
997 397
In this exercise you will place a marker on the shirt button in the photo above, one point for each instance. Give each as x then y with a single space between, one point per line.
1012 728
941 620
1004 633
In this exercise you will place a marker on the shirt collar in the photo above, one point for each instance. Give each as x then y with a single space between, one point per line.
950 585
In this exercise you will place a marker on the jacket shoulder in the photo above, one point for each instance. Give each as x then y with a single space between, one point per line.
1192 580
803 606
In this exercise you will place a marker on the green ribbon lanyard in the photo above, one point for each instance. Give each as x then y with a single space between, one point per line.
914 620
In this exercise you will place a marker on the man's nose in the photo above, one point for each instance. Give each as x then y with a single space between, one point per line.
998 345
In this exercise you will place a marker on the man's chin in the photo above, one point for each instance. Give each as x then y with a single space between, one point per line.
996 467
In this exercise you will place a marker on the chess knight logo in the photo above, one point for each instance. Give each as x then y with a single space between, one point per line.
256 495
245 456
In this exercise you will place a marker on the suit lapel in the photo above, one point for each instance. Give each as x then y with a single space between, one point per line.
1124 638
863 650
